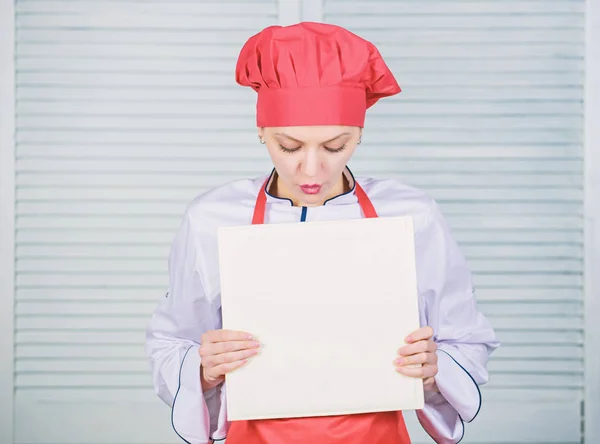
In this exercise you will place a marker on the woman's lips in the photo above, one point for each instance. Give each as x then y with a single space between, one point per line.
310 189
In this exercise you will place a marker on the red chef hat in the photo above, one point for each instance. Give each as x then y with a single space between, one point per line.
313 74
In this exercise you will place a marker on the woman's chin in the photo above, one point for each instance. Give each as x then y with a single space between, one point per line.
310 200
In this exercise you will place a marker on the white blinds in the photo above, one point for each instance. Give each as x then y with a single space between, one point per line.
125 111
490 124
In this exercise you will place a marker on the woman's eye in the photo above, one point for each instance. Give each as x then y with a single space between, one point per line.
336 150
289 150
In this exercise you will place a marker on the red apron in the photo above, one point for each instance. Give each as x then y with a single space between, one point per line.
370 428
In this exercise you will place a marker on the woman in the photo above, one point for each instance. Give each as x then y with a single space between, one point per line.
314 84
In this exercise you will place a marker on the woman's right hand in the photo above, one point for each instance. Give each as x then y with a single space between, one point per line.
221 352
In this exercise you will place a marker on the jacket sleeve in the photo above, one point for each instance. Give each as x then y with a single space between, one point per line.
172 343
464 336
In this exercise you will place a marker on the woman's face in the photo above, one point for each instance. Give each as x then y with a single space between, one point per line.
310 160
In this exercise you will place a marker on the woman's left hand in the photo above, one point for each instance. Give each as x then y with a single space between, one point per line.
421 349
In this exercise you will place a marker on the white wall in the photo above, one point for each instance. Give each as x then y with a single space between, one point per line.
7 219
592 215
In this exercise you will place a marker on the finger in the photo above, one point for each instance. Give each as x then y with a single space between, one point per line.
226 358
425 371
423 333
218 348
223 369
226 336
419 358
413 349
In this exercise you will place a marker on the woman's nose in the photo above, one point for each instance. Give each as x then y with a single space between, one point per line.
310 164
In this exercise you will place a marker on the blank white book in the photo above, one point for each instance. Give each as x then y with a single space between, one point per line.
331 304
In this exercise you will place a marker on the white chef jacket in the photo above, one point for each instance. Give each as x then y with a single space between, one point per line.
192 306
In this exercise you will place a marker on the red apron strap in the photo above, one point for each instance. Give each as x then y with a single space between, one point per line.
365 203
261 204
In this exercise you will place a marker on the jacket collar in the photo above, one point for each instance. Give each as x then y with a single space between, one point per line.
346 198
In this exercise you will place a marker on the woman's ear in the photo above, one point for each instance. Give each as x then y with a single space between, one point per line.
261 135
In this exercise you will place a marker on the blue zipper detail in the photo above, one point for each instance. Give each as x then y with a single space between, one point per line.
303 216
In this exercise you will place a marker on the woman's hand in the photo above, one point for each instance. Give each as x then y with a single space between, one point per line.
221 352
421 354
